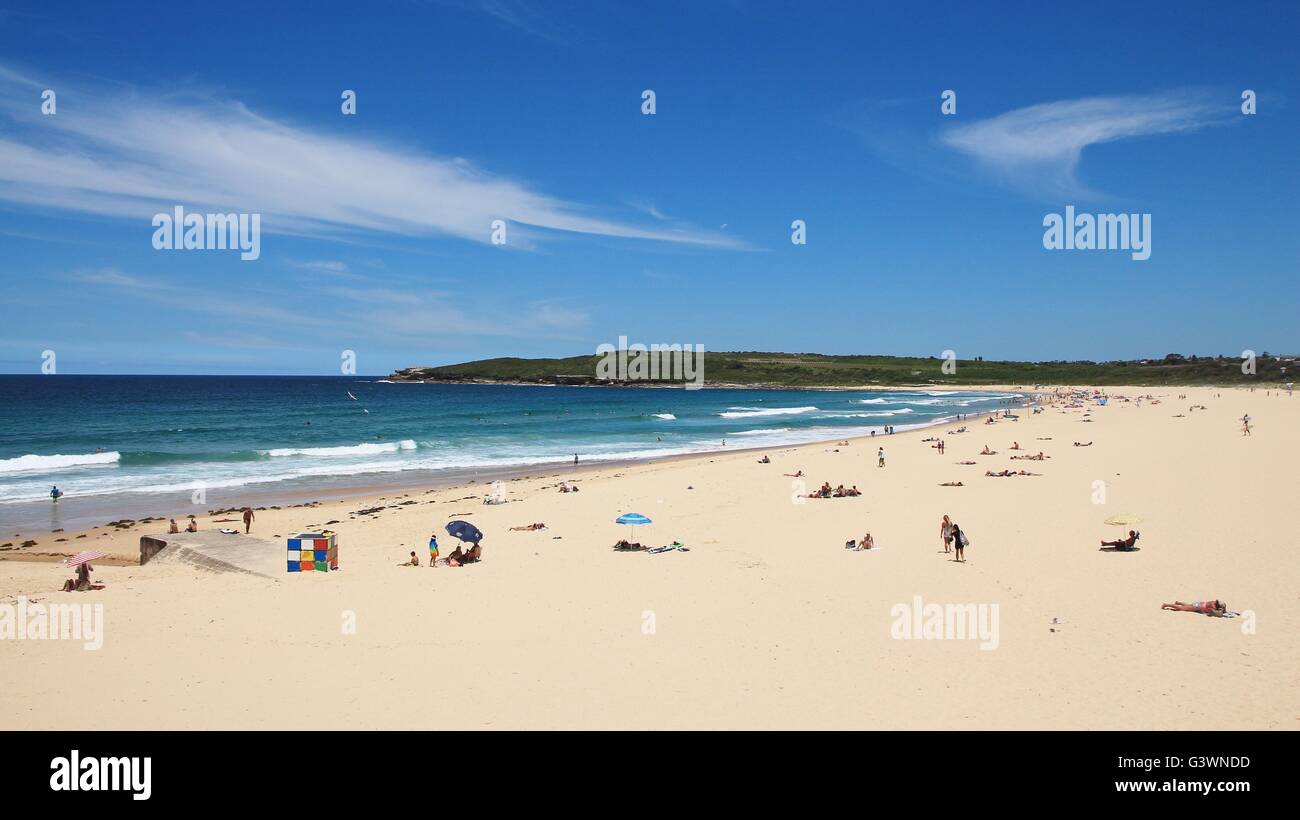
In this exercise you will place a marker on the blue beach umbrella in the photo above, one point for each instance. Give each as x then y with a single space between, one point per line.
464 531
632 519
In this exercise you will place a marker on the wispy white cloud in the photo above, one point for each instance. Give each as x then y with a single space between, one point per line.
1039 147
378 314
334 266
130 156
521 15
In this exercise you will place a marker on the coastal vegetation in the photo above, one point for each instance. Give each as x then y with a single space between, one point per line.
817 370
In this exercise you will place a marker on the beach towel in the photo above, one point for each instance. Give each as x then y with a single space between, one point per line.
668 548
229 531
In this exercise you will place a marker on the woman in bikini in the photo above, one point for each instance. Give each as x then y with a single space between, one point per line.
1214 608
945 533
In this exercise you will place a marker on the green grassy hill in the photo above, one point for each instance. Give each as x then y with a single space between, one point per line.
815 370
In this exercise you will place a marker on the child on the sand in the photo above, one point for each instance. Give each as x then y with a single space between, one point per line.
414 562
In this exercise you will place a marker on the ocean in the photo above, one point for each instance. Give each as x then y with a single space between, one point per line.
131 446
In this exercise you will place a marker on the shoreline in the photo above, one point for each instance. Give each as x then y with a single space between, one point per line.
370 493
125 505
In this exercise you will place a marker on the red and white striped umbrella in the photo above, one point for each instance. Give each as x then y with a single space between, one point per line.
84 556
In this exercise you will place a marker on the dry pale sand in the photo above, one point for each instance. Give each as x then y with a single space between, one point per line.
767 621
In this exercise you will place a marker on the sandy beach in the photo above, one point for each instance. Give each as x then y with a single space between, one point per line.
766 622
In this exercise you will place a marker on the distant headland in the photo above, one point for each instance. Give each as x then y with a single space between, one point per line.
808 370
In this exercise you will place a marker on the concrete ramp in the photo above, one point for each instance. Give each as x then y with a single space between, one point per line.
213 551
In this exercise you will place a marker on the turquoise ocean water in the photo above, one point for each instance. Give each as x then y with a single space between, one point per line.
129 446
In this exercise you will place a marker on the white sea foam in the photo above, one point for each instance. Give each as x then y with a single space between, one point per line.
45 464
367 449
665 416
751 412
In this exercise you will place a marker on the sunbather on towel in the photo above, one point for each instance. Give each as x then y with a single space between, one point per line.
1215 608
82 582
1125 543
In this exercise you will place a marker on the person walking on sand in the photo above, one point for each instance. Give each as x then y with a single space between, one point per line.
959 542
945 534
248 519
880 457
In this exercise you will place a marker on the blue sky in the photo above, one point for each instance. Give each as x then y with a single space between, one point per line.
924 230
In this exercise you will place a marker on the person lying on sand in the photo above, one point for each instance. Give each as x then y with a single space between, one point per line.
967 463
1002 474
625 546
1026 472
794 475
1081 444
529 528
1215 608
952 484
1123 543
414 562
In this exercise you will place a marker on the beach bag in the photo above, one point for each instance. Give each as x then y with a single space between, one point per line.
965 542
